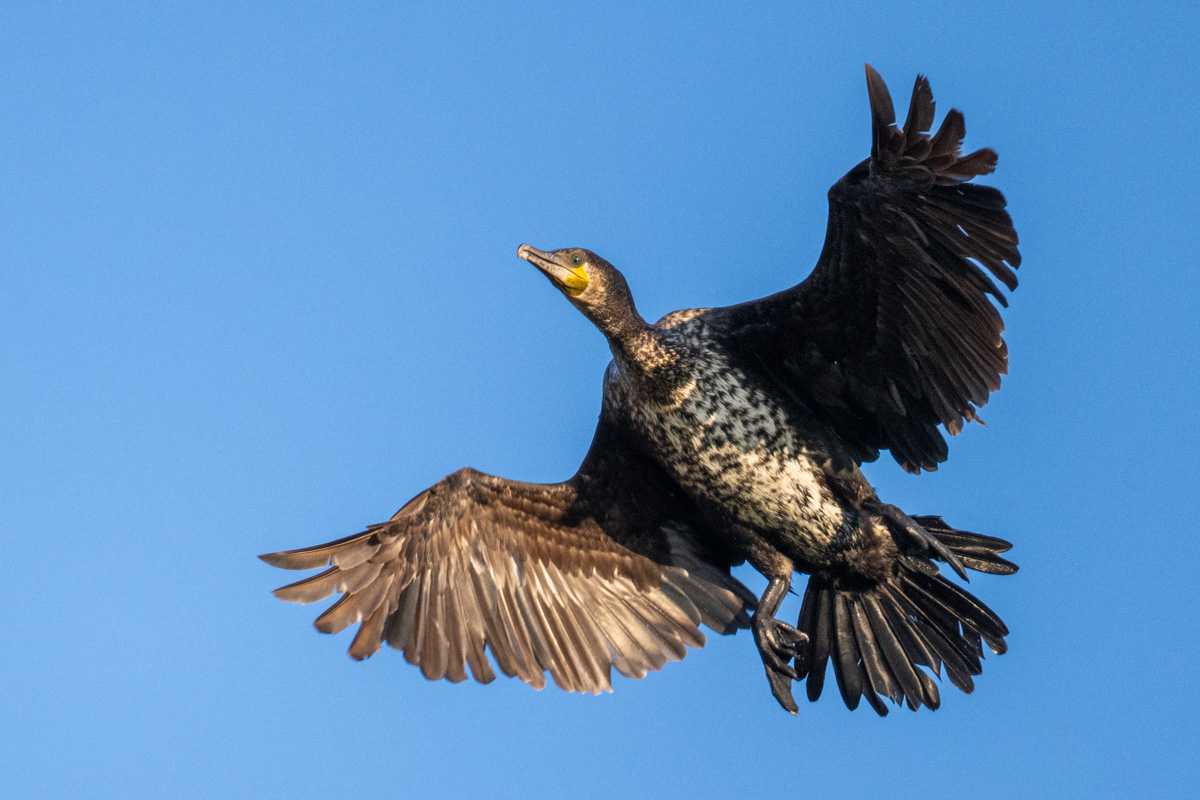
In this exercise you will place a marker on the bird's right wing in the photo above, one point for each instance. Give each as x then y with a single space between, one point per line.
895 332
603 570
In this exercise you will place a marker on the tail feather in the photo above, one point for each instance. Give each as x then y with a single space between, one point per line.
938 596
845 663
886 640
898 659
820 629
877 671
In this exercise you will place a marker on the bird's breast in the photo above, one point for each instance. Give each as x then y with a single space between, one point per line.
728 441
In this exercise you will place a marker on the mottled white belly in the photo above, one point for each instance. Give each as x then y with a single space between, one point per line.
728 442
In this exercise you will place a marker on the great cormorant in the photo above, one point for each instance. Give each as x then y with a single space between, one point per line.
728 435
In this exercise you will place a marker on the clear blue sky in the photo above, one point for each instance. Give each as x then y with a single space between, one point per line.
259 285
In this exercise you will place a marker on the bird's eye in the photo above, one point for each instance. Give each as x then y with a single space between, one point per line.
576 261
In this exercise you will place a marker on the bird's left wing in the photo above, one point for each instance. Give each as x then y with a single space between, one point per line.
894 333
603 570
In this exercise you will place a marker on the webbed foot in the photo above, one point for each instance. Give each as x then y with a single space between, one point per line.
778 644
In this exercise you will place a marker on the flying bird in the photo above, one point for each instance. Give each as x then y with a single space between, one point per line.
729 435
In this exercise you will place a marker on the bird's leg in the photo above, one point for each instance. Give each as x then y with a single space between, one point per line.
778 643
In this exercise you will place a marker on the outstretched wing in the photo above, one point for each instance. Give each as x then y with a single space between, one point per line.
603 570
893 332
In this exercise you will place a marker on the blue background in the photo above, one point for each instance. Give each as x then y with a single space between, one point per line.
258 286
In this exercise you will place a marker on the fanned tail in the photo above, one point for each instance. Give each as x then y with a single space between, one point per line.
886 640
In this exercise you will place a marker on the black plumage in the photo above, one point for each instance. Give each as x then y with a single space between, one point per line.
728 435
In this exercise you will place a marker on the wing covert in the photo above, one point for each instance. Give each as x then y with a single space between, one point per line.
895 332
600 571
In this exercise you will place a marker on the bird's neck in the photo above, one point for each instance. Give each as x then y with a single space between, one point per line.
641 350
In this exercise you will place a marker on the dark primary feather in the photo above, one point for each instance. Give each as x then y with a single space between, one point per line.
894 333
601 571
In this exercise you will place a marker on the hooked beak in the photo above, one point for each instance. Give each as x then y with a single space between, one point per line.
557 268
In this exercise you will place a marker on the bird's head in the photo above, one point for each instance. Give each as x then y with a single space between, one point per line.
593 285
